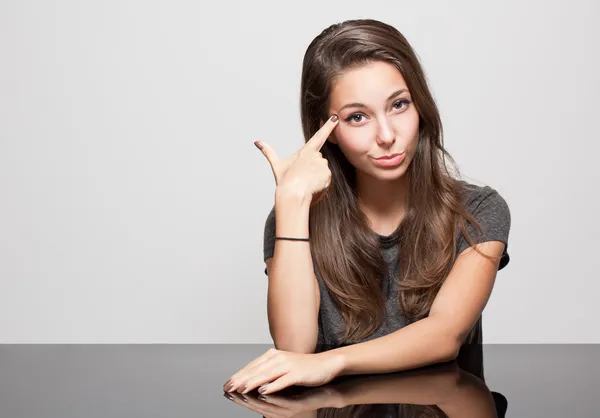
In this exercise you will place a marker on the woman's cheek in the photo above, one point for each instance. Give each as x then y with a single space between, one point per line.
413 133
354 142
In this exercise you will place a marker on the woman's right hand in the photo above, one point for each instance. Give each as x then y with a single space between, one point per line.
306 173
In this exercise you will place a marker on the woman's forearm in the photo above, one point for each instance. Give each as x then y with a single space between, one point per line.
293 298
421 343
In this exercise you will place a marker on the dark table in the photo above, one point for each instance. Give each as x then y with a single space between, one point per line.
186 381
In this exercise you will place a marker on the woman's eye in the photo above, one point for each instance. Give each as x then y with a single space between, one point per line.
354 118
399 102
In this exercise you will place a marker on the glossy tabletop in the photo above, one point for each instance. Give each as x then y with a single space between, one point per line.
187 381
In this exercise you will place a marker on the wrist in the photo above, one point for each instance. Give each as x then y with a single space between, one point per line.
337 359
290 196
292 213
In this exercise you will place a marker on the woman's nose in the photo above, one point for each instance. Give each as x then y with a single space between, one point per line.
385 133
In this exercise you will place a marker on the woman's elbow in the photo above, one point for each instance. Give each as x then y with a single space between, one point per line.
450 350
294 344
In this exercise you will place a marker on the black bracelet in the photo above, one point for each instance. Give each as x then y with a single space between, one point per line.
293 239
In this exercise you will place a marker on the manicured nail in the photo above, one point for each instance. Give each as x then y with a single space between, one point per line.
262 389
258 145
228 387
228 396
244 398
243 388
262 398
334 118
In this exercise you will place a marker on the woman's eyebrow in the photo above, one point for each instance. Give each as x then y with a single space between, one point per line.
361 105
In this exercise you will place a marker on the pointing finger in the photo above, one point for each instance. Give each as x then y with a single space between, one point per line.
320 137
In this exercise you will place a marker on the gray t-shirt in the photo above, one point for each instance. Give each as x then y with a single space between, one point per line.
488 207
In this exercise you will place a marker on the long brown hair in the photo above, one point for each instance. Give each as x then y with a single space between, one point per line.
346 251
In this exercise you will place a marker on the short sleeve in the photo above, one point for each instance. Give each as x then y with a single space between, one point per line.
492 212
269 236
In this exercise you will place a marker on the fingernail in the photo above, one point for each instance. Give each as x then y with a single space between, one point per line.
334 118
228 387
243 388
244 398
258 145
228 396
262 389
262 398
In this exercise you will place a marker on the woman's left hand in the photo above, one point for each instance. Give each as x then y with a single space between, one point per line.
277 369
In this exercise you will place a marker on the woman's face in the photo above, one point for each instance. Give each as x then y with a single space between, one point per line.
377 118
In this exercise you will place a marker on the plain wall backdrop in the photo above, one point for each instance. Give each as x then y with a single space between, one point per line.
133 200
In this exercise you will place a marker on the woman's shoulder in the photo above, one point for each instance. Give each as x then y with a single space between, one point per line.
473 193
491 211
480 197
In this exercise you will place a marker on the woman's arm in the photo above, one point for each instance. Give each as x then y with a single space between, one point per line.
438 337
293 292
456 392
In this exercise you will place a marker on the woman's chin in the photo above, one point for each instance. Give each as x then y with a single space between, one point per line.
388 174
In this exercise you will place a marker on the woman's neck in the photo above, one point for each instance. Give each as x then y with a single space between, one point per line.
383 202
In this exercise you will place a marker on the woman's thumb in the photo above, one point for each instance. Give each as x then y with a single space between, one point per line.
268 152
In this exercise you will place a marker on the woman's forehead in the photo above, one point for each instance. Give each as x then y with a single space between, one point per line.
371 83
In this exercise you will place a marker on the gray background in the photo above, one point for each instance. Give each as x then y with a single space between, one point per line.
133 200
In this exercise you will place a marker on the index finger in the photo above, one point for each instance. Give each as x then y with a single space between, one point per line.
318 139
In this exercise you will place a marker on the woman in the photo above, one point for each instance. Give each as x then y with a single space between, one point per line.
378 259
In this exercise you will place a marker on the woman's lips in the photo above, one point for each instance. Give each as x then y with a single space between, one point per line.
390 161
